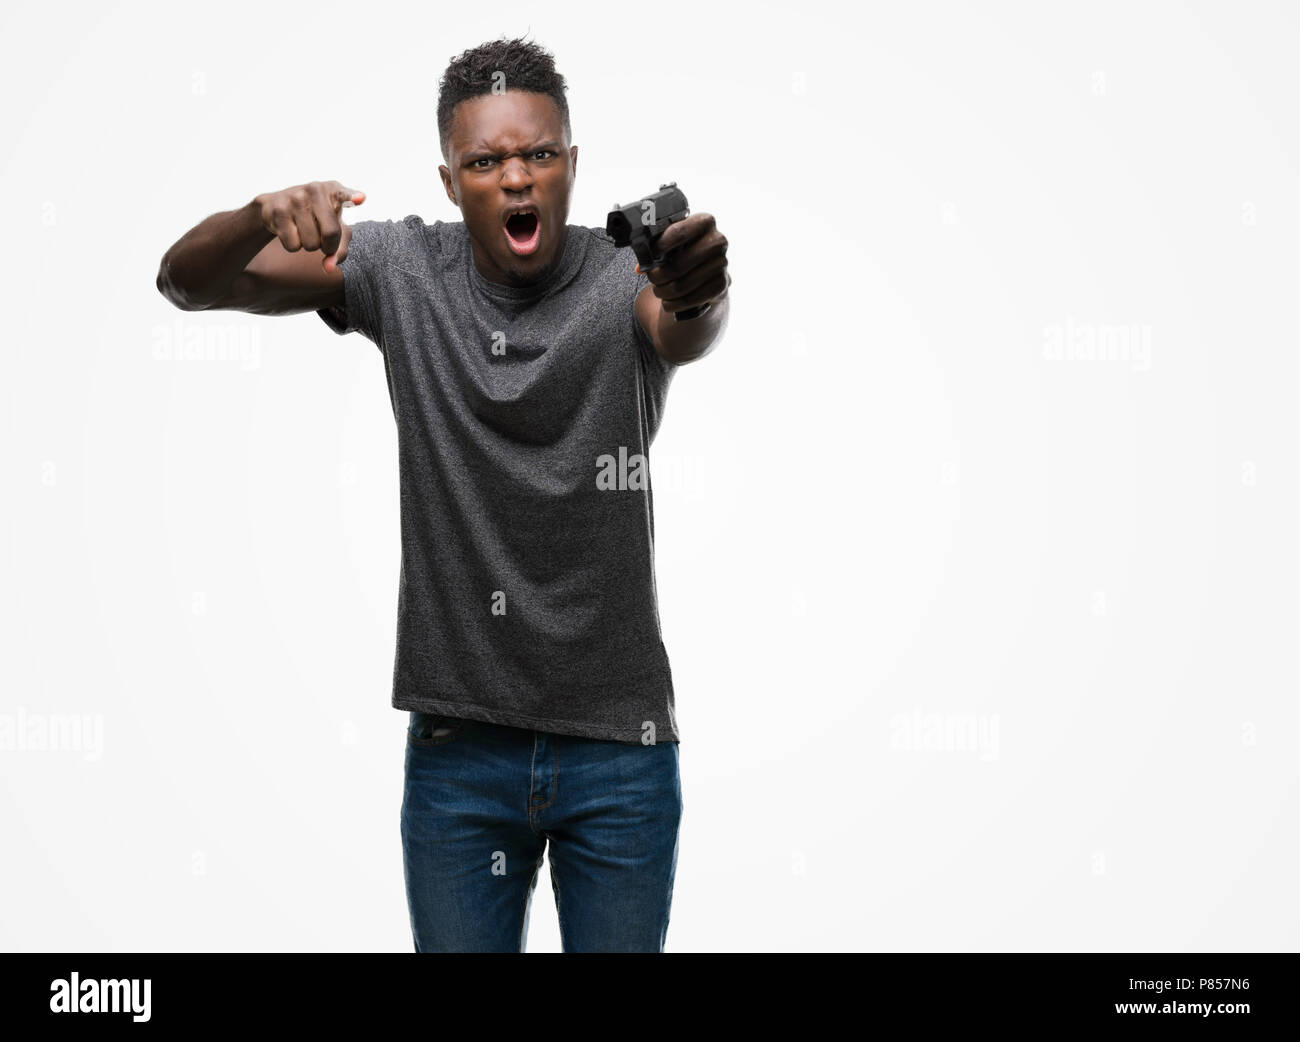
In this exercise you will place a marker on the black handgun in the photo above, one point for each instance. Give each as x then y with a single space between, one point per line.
640 224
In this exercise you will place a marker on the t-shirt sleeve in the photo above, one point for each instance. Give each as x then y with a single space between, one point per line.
368 253
652 358
656 371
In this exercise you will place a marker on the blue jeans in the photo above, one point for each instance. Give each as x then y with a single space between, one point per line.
482 802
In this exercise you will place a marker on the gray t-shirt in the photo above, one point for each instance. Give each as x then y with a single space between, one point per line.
524 422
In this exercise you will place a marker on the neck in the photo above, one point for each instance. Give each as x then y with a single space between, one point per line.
513 276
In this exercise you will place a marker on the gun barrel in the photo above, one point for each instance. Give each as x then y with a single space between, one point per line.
647 217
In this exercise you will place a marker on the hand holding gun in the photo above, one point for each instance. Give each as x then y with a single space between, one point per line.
642 223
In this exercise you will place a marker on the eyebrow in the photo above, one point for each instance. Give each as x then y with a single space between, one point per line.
484 153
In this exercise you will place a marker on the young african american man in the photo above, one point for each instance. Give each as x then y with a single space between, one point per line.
528 362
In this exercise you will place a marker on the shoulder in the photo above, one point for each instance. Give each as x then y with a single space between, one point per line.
414 233
618 262
617 267
406 240
599 244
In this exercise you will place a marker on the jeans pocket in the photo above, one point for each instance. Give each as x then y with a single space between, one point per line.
432 729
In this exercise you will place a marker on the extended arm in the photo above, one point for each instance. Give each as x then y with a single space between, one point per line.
265 257
695 273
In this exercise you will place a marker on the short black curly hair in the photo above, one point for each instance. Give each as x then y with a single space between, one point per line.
523 65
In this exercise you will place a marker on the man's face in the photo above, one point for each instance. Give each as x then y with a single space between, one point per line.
509 151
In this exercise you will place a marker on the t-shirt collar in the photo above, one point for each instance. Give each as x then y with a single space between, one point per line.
575 248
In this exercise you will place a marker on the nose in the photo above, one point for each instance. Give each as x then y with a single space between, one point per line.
515 175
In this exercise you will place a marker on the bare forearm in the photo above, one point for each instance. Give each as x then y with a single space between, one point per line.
203 263
682 342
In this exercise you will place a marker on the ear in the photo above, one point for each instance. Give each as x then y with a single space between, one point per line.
448 186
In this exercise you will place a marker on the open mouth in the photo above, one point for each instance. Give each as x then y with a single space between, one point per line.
523 231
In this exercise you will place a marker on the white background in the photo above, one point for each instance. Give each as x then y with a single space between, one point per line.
886 507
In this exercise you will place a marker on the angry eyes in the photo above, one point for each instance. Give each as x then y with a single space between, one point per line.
485 159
